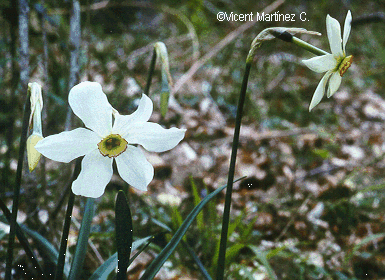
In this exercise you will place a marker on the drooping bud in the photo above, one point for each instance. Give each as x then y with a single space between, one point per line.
161 52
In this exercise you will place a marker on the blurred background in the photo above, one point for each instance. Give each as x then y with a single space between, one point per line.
312 204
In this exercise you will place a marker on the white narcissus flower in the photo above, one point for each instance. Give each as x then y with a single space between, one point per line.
334 64
102 142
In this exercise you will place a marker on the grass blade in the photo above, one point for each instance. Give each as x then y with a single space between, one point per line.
363 242
262 257
198 262
158 262
109 265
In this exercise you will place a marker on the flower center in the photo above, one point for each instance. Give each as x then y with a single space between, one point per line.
112 145
345 64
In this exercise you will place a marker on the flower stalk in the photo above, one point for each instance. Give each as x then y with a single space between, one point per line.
16 189
265 35
82 242
287 37
150 73
229 188
66 228
307 46
64 238
160 50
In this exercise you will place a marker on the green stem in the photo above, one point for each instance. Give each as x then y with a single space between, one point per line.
287 37
151 73
16 190
64 238
308 46
66 227
229 189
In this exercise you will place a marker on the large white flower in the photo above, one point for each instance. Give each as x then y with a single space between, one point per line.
101 142
334 64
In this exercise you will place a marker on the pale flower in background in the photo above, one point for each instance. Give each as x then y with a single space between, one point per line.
169 199
334 64
102 142
34 122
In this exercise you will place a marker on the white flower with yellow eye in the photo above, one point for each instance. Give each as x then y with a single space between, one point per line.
102 142
334 64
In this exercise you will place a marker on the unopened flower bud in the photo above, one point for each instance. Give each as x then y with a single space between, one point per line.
35 122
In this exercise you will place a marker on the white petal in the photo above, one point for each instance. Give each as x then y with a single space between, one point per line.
333 29
90 104
347 28
142 114
144 111
134 168
319 91
153 137
68 145
321 64
334 83
94 176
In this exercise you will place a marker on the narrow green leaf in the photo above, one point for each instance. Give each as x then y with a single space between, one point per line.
279 251
233 251
234 225
197 199
176 218
82 243
363 242
247 229
109 265
157 263
123 229
49 249
261 256
197 261
22 239
162 225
